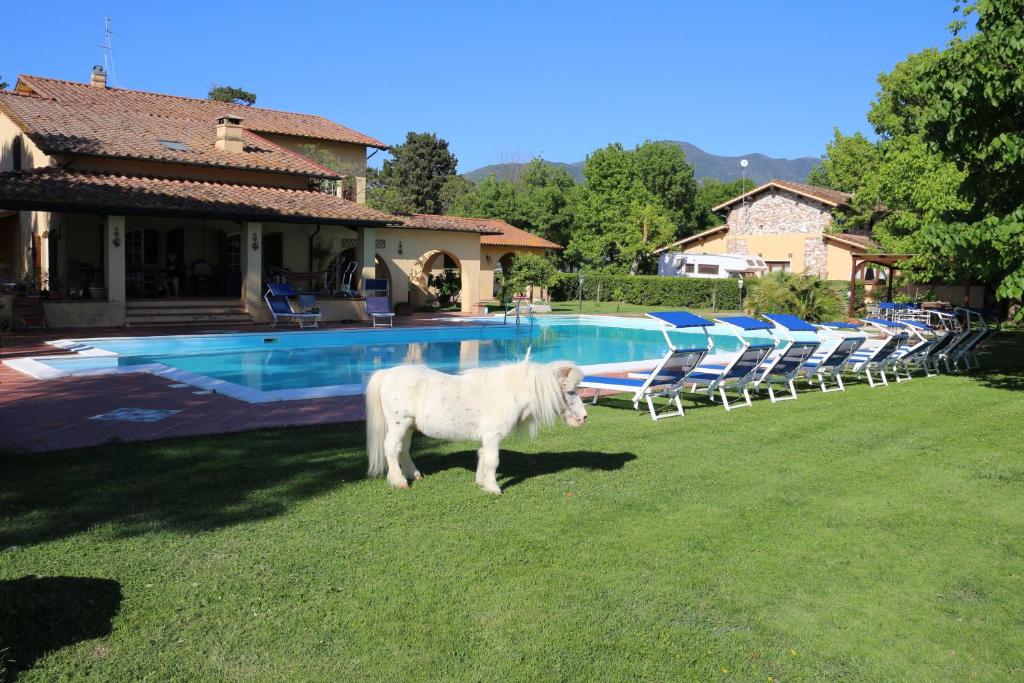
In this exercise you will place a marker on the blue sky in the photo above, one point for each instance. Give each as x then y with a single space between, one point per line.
508 81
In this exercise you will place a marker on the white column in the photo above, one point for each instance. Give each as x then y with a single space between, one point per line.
252 270
366 252
113 258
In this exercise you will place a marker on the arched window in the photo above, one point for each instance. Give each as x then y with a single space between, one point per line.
16 152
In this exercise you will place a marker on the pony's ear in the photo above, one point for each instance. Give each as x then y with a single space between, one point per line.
569 375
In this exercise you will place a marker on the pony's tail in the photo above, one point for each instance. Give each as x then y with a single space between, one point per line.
376 427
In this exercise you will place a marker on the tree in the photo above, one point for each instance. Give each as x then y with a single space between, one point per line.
227 93
973 117
528 271
713 192
848 161
623 213
665 173
538 200
413 179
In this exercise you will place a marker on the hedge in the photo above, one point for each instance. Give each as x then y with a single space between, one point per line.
650 290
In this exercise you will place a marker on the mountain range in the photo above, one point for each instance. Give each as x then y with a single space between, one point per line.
761 168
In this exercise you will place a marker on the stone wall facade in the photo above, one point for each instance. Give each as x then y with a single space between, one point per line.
779 212
816 256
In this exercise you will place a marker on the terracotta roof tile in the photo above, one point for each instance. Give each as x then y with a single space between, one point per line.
821 194
78 119
256 118
55 189
496 232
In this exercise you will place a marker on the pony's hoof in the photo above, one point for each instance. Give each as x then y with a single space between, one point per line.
403 484
418 476
492 488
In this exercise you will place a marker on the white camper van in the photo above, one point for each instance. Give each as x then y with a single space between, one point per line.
678 264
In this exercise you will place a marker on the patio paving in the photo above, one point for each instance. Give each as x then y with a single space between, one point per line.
46 415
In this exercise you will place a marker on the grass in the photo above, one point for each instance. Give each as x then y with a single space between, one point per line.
872 535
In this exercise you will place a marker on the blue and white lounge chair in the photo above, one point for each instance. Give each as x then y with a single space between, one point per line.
914 352
839 342
278 301
876 355
737 372
784 364
667 378
982 330
377 307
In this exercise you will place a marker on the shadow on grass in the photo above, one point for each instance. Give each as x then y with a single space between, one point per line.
1002 362
516 467
41 614
189 484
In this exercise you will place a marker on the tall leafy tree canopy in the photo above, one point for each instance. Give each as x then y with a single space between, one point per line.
974 117
713 192
227 93
414 179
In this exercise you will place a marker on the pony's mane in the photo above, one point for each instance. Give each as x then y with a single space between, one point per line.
544 393
536 383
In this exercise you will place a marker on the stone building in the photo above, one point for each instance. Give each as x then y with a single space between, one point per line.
785 223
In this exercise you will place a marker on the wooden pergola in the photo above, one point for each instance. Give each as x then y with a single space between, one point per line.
860 261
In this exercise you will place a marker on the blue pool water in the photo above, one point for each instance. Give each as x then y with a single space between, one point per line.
287 364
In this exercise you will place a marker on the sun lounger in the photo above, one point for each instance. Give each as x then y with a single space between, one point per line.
876 355
913 354
737 372
666 379
784 364
377 307
278 298
839 342
967 352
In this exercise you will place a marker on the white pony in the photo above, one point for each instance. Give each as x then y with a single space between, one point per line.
479 405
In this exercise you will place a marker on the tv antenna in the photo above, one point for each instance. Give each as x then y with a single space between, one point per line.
108 52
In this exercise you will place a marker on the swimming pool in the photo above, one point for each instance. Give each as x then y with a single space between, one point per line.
260 367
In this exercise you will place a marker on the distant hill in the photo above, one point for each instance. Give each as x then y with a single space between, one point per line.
706 165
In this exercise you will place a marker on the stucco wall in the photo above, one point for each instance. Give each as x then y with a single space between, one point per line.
714 245
487 268
464 247
351 158
32 156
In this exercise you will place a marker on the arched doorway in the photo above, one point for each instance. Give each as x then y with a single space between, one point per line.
436 276
382 272
502 270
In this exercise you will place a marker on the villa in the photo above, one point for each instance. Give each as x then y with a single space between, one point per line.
133 207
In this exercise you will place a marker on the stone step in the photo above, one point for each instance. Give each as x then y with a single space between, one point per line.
188 319
182 303
185 310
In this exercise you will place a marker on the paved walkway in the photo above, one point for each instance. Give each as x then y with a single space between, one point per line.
45 415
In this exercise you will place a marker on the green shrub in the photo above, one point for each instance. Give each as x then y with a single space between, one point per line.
805 296
650 290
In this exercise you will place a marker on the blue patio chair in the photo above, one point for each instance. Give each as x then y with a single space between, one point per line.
667 378
375 292
278 298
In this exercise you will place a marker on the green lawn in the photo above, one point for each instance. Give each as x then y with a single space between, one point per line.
872 535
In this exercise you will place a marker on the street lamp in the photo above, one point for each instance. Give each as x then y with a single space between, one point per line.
580 278
743 187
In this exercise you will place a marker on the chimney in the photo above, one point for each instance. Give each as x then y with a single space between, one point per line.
99 77
229 133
